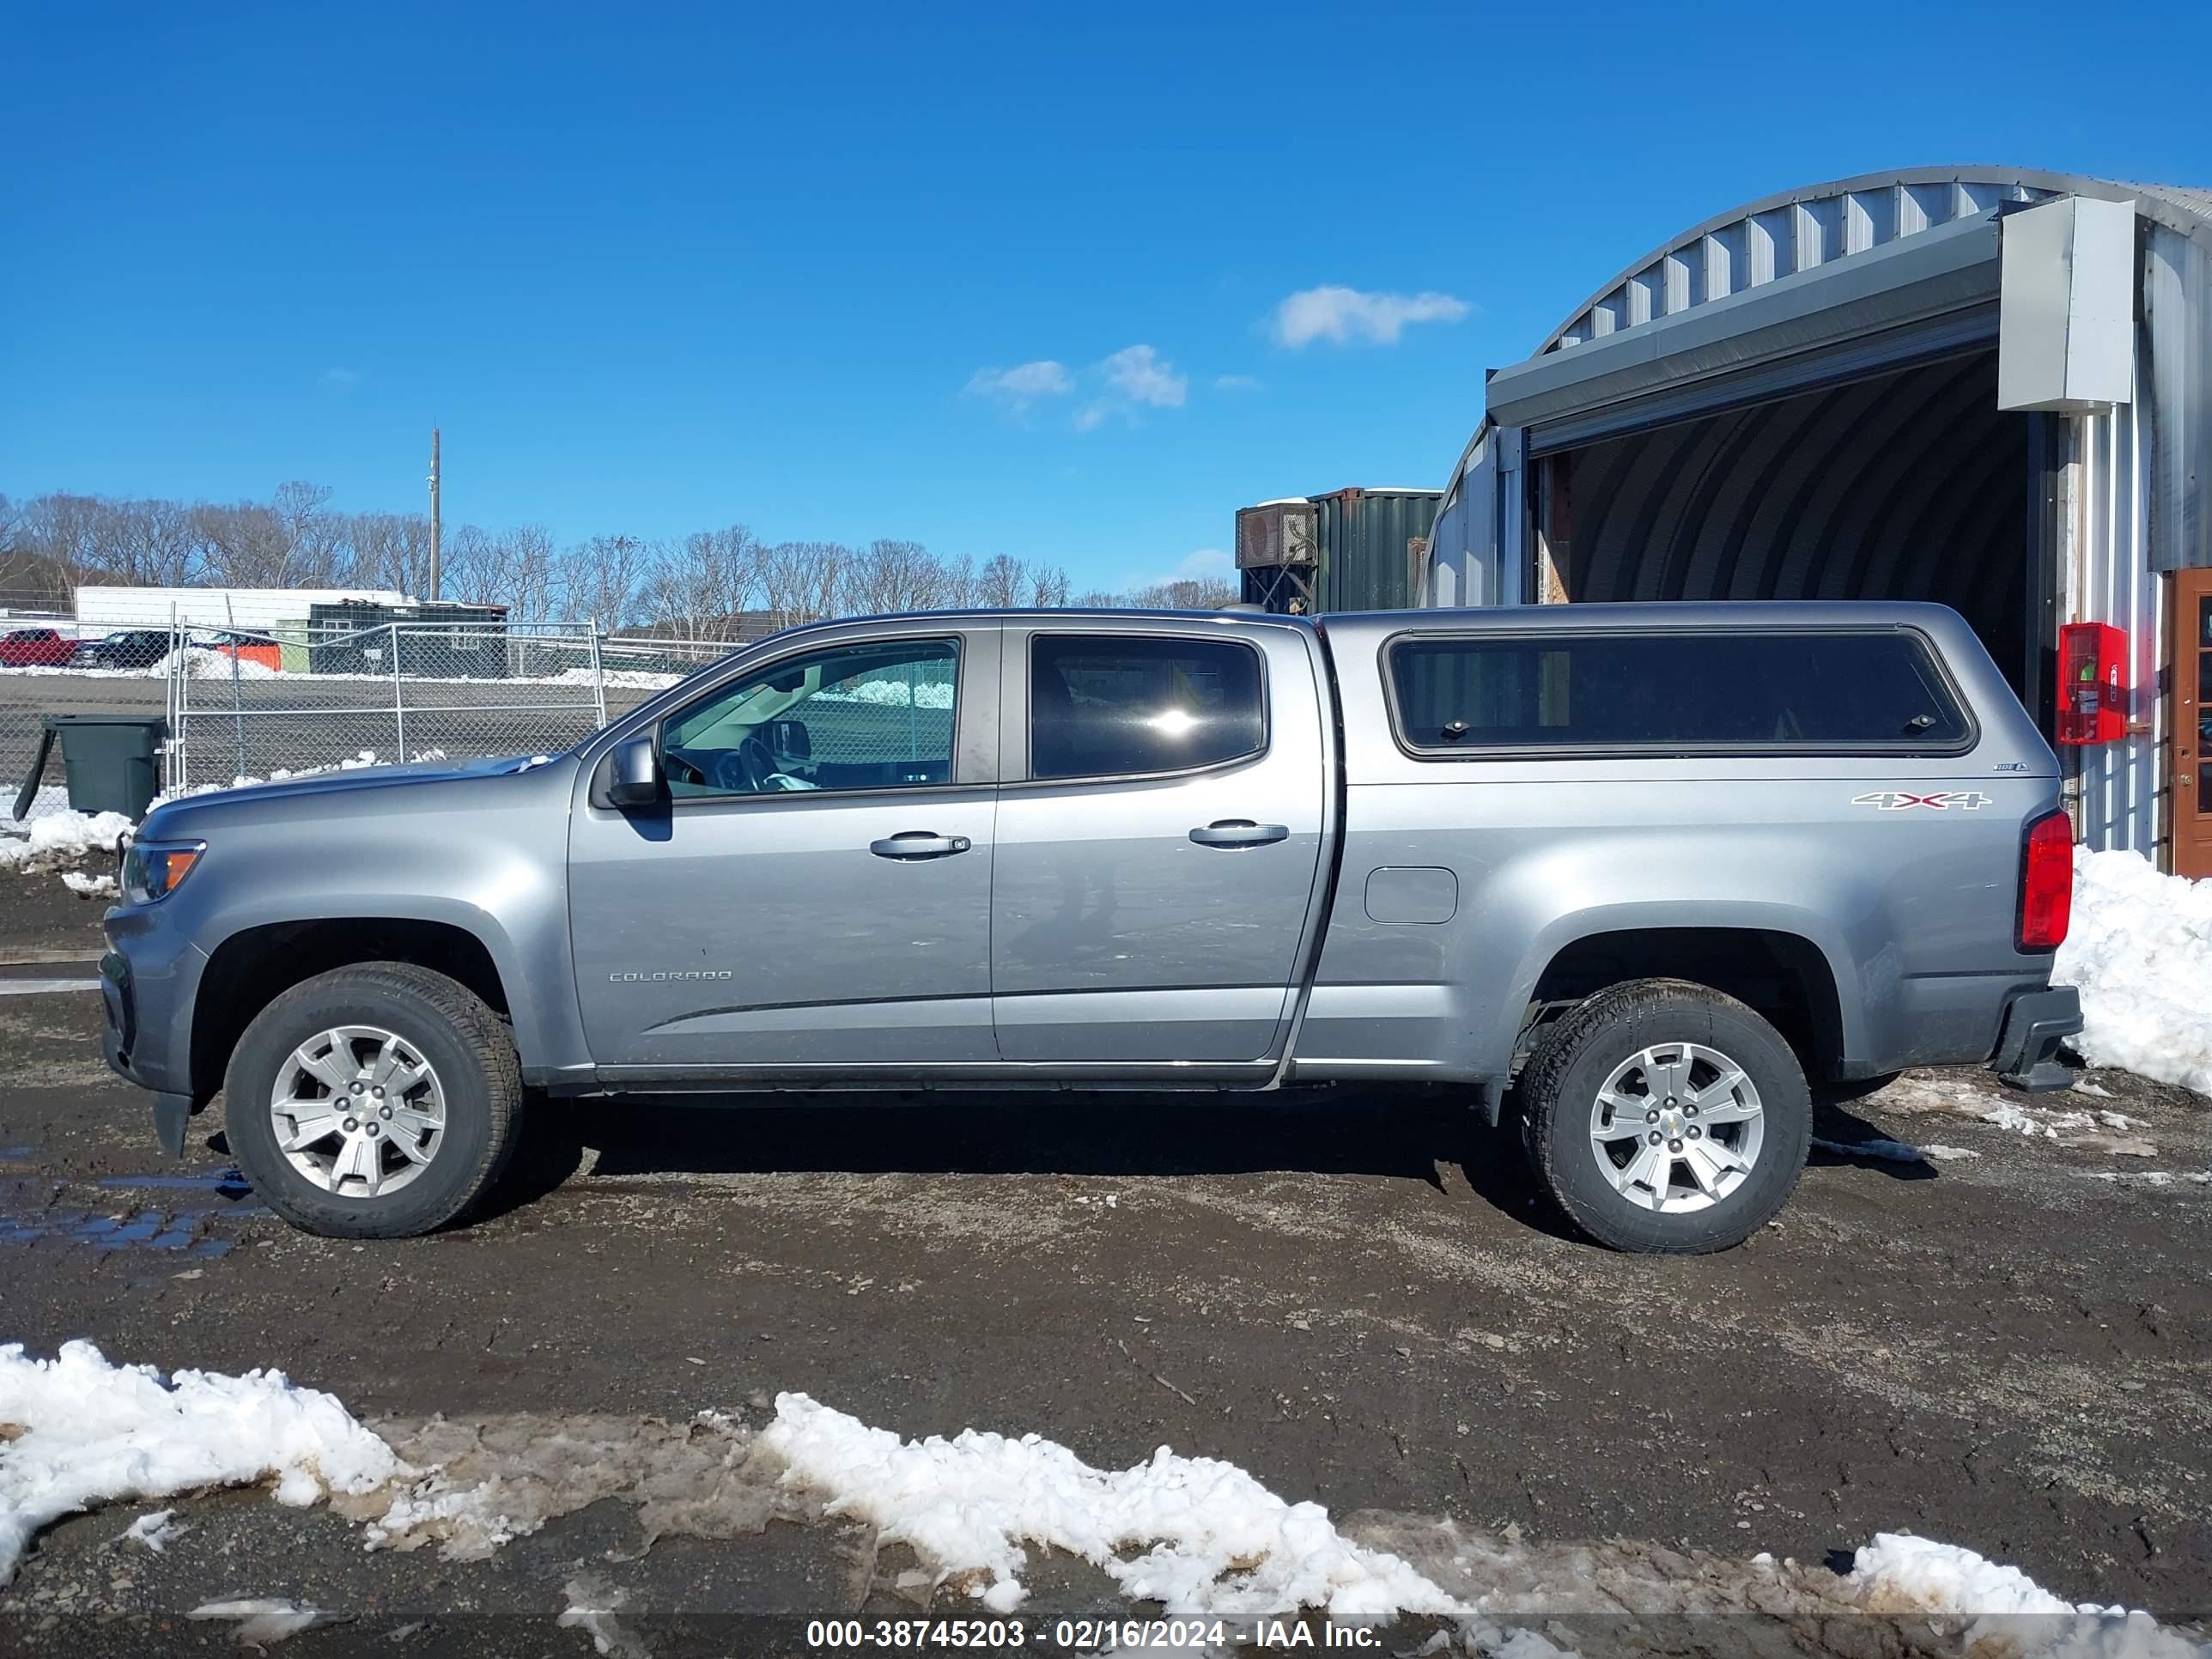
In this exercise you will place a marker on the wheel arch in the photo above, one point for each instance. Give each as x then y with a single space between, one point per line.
1773 959
255 964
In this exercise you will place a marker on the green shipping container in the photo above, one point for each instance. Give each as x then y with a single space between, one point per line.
1369 552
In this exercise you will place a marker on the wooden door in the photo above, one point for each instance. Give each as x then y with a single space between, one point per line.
2191 739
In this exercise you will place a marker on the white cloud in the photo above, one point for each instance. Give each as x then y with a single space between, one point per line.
1235 383
1015 389
1343 314
1143 376
338 380
1136 377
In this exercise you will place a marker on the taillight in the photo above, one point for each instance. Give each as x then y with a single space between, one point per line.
2046 882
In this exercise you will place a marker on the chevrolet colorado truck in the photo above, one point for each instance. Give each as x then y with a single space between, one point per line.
1649 873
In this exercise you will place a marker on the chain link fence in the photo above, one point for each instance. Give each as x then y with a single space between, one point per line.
257 704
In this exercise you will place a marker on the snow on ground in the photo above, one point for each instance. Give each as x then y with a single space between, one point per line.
263 1620
2141 949
2097 1131
60 838
156 1531
95 1433
1212 1539
1898 1573
1198 1535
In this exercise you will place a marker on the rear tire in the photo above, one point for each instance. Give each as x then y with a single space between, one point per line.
378 1101
1664 1118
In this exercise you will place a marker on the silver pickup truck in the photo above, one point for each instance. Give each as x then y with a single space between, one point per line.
1636 876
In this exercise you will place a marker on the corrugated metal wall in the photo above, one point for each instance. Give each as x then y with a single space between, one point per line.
2109 579
1463 540
1374 547
2139 511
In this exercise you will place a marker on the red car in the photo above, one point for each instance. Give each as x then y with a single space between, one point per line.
36 648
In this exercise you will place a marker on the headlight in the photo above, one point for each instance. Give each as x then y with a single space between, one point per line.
154 869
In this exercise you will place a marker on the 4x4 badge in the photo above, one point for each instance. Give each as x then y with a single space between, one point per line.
1898 800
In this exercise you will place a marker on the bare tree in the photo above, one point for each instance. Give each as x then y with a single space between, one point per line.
149 544
315 549
893 577
701 589
1186 594
803 582
391 551
513 567
1001 583
1047 587
603 580
955 583
707 586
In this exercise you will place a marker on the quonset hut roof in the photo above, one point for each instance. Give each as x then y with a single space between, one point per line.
1800 229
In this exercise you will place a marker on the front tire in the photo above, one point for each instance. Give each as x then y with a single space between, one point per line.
378 1101
1665 1118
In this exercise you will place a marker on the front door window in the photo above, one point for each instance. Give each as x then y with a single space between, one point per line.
873 716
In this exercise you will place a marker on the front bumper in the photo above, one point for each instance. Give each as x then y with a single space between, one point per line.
2035 1024
147 982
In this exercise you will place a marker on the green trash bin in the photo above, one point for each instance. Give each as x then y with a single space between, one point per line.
111 763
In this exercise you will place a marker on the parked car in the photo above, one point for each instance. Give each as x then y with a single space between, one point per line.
37 648
133 647
1634 874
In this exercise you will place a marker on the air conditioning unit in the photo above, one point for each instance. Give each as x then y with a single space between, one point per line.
1277 533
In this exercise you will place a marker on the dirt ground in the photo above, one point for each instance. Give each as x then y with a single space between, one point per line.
1353 1296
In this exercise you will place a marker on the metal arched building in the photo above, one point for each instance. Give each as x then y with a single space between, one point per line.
1986 386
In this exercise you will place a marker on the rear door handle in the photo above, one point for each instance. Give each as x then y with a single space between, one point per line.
1239 832
919 844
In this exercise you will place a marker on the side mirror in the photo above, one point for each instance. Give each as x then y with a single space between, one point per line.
790 740
634 775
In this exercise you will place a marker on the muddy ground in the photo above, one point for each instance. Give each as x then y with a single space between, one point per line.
1353 1297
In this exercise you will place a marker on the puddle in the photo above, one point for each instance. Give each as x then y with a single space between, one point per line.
199 1230
14 1154
221 1183
173 1232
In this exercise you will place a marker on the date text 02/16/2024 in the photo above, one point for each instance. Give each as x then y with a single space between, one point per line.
1087 1635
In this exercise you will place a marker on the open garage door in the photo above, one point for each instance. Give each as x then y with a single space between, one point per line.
1906 485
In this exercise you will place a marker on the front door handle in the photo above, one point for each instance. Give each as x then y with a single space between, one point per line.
1239 832
919 844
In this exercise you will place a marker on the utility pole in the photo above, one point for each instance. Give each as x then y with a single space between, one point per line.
434 514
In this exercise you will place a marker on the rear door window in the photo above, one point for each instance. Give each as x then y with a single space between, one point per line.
1114 705
1871 690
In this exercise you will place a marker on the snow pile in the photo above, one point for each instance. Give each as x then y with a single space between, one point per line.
896 693
62 838
85 886
638 679
198 662
1898 1573
1212 1539
2141 949
87 1432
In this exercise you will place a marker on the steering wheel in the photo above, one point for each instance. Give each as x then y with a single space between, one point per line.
745 769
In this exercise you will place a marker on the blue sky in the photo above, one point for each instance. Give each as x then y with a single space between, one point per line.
658 269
